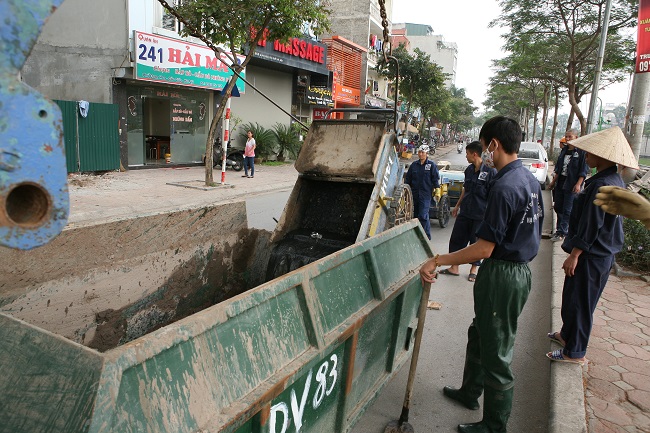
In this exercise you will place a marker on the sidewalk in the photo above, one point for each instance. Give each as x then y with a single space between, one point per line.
612 392
116 195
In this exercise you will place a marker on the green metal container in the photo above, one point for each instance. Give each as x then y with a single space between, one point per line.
305 352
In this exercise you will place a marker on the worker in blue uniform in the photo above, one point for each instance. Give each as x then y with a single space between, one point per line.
422 176
508 238
594 237
470 209
569 174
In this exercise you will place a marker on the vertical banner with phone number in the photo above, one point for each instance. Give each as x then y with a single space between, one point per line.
643 38
172 61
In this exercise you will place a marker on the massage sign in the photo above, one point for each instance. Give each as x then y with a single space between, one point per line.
307 55
164 60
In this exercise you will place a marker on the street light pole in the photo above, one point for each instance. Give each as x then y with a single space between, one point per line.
599 67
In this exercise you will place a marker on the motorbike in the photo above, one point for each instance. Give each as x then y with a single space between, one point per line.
234 157
459 147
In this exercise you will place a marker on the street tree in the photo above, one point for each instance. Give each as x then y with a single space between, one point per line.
564 36
238 26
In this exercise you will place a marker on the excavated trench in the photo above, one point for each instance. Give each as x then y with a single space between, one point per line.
108 284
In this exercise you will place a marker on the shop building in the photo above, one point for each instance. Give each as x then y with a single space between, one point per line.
294 74
165 88
360 23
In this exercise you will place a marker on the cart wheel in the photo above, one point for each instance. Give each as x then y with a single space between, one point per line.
401 209
444 211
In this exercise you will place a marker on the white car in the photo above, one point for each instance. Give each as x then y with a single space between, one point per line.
534 157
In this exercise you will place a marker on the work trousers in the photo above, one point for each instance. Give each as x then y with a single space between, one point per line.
563 204
580 297
500 293
421 210
463 233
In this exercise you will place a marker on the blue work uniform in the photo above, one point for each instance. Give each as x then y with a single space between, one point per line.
513 222
472 207
600 236
423 178
563 193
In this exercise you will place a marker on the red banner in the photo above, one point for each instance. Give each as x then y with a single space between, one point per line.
643 38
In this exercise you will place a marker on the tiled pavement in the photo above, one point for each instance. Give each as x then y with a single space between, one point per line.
617 377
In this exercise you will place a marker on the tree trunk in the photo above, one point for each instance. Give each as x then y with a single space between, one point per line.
535 123
526 115
556 106
547 94
569 122
575 107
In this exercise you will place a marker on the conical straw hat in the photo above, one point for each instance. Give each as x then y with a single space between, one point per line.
609 144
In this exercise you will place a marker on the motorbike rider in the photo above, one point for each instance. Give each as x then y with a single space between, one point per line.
422 176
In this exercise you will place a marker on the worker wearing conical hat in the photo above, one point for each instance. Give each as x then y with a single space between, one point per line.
593 238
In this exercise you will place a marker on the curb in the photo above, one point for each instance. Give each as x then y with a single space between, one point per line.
567 393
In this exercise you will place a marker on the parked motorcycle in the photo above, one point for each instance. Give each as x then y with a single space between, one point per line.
234 158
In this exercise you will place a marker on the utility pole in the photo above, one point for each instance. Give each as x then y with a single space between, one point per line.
636 109
599 68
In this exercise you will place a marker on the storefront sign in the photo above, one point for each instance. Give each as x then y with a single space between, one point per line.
164 60
643 38
319 113
298 53
372 101
316 95
344 94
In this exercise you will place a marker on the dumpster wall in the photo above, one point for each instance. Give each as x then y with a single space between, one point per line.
106 284
306 352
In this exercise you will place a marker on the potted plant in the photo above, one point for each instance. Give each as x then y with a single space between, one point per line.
288 140
265 140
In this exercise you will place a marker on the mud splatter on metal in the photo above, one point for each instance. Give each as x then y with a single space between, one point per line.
34 203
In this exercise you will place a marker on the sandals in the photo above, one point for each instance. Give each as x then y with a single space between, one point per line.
446 272
471 277
557 356
553 336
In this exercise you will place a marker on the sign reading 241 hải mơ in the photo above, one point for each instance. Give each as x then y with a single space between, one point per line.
173 61
643 38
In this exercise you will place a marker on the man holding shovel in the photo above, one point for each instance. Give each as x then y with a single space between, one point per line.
508 238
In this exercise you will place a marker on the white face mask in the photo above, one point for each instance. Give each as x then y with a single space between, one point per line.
488 157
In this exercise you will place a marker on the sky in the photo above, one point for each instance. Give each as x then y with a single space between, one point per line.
465 22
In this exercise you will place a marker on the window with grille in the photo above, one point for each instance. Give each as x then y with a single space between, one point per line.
169 21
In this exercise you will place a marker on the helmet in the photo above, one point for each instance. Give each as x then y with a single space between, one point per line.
423 148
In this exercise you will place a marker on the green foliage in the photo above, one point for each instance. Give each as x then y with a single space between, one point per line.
417 73
265 141
230 22
556 43
636 249
288 139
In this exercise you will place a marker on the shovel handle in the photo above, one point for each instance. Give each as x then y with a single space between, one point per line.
422 313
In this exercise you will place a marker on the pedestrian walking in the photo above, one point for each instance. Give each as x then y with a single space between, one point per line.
569 174
249 155
594 237
470 208
422 176
508 238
